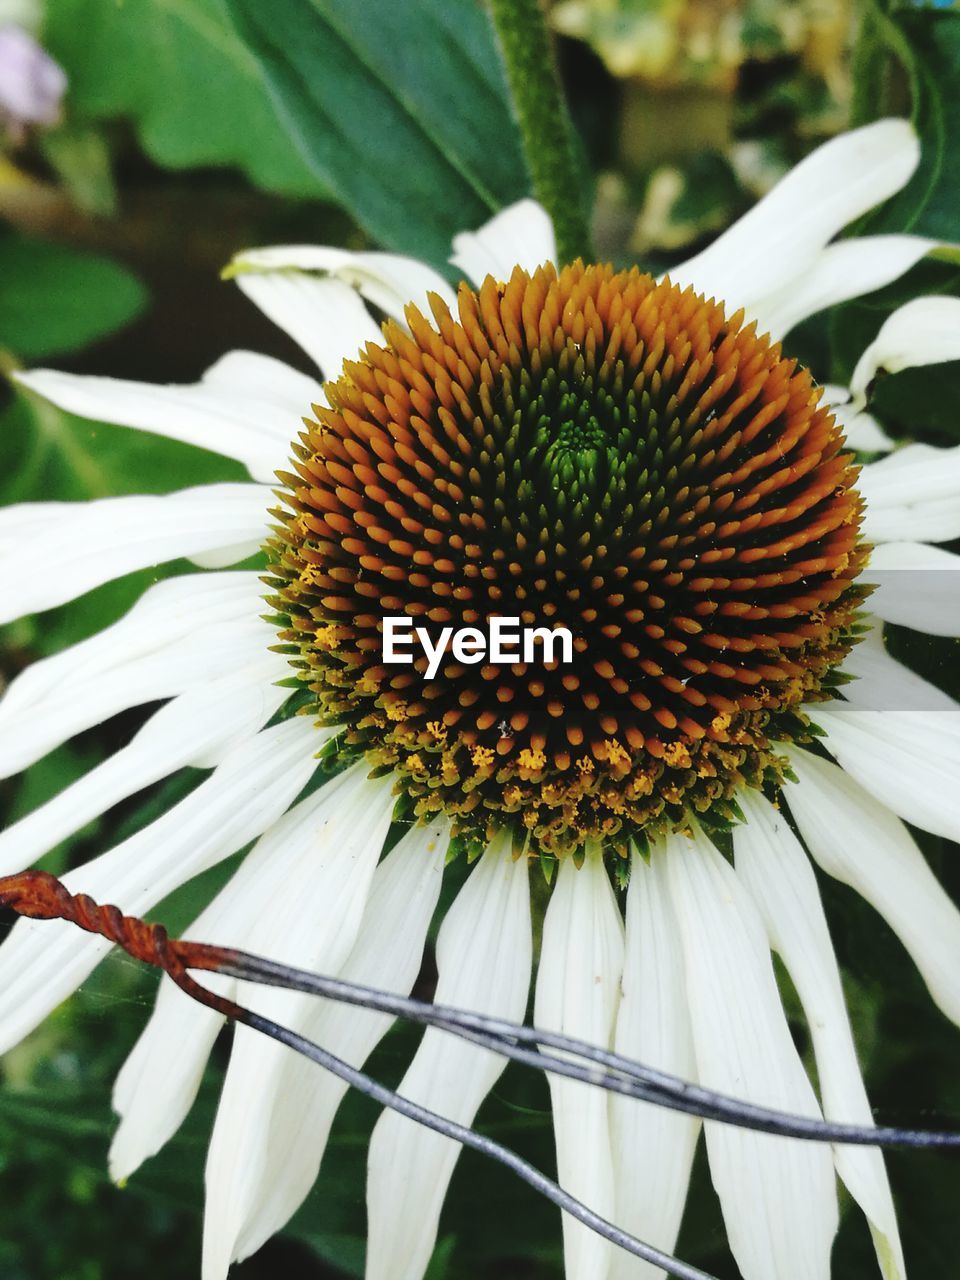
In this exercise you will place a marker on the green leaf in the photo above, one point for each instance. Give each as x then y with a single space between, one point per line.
399 108
176 69
927 47
54 299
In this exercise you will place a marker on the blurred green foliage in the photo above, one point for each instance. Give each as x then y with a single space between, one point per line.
193 127
55 299
177 71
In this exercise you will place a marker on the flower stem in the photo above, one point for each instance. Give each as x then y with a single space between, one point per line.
880 50
548 140
870 63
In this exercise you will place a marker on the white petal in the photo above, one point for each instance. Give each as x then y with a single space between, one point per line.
861 843
311 920
834 394
42 962
161 1077
916 586
388 280
778 240
884 684
484 957
912 494
653 1147
247 406
779 878
862 430
181 633
923 331
387 955
198 728
325 316
578 988
159 1080
85 544
844 270
909 760
518 236
778 1194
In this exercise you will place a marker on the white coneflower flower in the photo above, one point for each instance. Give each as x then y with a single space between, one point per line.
587 448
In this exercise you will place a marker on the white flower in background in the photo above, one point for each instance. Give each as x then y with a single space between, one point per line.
507 463
32 85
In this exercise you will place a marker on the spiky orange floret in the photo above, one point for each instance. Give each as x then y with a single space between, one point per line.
591 449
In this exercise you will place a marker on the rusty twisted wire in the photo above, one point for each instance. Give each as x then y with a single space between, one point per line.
38 895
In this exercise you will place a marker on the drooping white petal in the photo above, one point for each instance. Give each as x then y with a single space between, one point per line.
844 270
653 1147
484 957
181 633
247 406
42 962
779 878
861 429
578 988
916 586
311 921
884 684
912 494
159 1080
84 544
386 955
388 280
778 1195
778 240
909 760
518 236
862 843
921 332
325 316
161 1077
198 728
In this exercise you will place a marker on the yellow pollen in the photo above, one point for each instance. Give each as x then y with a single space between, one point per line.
677 755
613 753
531 761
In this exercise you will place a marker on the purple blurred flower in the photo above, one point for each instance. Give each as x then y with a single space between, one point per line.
32 85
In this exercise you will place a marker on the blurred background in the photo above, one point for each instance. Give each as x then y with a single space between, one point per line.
142 143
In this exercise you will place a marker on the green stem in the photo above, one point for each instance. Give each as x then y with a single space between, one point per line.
545 127
870 68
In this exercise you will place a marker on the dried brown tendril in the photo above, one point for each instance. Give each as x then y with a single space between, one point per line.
590 449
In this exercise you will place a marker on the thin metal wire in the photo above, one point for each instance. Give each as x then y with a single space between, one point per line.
617 1073
41 896
553 1192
